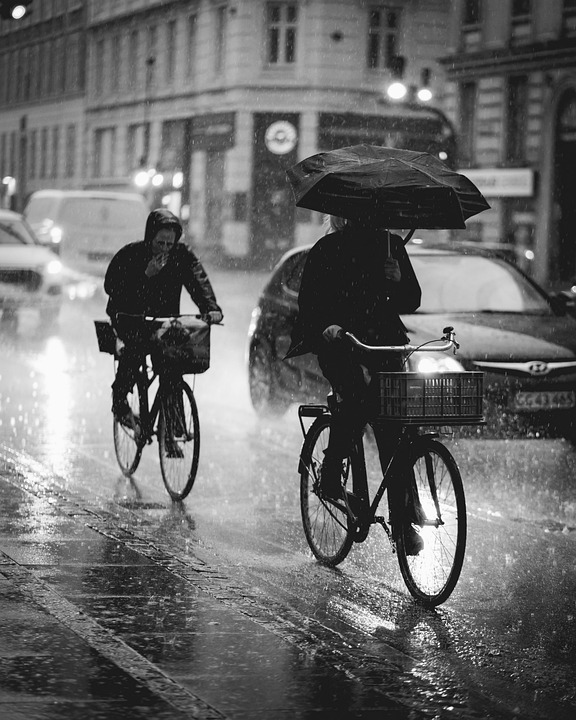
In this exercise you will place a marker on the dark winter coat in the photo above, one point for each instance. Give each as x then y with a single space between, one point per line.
131 291
343 284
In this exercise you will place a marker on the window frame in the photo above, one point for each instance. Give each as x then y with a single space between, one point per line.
386 35
286 51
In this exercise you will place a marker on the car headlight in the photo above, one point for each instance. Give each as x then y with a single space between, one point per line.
441 363
54 267
56 234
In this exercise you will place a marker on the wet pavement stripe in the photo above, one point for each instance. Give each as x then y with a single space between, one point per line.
328 647
105 643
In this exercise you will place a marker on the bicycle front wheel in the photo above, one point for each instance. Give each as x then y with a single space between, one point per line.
431 574
325 523
179 440
128 442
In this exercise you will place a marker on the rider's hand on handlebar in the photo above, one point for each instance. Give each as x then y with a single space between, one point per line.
333 333
214 316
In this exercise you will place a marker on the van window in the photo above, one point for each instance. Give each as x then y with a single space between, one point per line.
119 214
38 209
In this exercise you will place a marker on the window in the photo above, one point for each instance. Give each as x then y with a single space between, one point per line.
32 159
520 8
72 63
116 68
43 152
151 57
133 60
569 17
191 46
468 115
221 26
473 12
383 32
136 146
282 21
55 151
99 69
516 120
170 51
521 28
70 160
104 152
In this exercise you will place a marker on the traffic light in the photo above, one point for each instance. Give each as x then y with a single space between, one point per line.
14 9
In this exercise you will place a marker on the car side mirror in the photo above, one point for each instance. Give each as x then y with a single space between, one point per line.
563 302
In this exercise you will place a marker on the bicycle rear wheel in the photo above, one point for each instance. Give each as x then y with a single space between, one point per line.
128 443
179 440
432 574
325 523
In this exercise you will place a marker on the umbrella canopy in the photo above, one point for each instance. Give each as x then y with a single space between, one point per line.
396 188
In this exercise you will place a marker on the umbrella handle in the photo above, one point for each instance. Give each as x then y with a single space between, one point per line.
409 236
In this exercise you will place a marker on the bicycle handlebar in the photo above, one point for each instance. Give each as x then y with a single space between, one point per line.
447 342
151 318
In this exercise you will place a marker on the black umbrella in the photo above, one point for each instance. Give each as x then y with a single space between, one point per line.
397 188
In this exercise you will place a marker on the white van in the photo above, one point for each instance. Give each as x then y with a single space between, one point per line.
86 227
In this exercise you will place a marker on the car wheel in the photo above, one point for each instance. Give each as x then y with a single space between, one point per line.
264 392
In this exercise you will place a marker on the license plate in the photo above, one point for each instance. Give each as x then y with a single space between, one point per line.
545 400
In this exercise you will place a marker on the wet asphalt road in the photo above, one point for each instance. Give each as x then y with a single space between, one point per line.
115 602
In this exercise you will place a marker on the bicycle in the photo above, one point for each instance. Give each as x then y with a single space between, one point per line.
168 413
421 465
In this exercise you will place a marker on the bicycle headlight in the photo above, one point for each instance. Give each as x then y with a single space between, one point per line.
427 363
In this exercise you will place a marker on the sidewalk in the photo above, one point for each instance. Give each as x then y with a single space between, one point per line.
101 620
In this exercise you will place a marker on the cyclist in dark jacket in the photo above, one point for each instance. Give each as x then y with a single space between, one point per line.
353 281
146 278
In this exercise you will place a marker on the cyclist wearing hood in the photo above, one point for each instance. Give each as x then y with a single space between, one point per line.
146 278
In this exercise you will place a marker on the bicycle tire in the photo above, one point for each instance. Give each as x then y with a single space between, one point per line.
432 574
326 526
128 444
179 449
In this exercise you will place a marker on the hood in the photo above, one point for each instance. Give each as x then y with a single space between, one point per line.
161 218
501 336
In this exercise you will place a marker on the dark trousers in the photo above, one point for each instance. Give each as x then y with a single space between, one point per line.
349 370
126 372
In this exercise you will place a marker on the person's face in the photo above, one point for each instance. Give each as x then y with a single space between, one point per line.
163 241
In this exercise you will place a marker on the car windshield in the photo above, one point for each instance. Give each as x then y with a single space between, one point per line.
38 209
475 284
118 214
15 233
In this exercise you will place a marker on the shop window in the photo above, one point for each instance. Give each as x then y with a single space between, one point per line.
282 29
104 152
516 119
383 34
466 151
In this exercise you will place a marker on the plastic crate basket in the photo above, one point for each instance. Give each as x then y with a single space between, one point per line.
440 399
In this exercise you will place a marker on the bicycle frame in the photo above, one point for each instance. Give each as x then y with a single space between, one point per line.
146 376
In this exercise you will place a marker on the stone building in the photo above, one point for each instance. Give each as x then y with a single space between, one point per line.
209 101
511 93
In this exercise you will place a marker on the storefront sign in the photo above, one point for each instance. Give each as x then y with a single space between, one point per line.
213 132
502 182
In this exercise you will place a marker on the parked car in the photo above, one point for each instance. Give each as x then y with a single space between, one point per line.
30 275
86 227
509 328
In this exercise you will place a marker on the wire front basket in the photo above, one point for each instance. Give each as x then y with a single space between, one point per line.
438 399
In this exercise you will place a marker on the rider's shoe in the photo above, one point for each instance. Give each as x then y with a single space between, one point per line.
125 416
413 541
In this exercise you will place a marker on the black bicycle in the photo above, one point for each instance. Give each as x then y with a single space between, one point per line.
422 475
163 406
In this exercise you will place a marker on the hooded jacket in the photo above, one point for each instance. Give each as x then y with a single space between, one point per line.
343 284
131 291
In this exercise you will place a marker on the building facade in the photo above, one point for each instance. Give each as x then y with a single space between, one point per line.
511 93
205 103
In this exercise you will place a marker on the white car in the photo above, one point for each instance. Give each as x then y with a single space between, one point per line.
30 274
